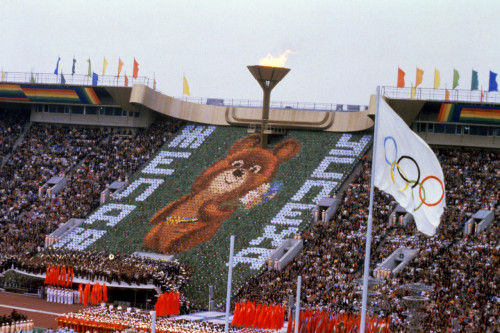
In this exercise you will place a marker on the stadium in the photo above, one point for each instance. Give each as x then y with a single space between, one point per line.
119 200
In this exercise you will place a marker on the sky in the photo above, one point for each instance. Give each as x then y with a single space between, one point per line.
341 50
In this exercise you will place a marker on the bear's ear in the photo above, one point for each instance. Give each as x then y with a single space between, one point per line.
286 150
251 141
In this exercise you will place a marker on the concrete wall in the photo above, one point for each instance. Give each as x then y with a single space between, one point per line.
144 120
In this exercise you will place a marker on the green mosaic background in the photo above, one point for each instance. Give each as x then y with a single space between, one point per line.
208 259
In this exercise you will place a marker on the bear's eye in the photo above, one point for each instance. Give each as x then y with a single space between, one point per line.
238 163
255 168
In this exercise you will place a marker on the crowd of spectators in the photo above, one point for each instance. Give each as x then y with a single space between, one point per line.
11 126
462 271
89 158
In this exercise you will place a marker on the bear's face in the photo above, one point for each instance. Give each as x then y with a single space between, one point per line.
243 171
246 167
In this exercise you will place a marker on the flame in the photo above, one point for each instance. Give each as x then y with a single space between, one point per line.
279 61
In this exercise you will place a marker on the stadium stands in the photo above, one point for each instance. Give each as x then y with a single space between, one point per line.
463 272
11 126
89 158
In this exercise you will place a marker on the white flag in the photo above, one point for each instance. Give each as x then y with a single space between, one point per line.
407 169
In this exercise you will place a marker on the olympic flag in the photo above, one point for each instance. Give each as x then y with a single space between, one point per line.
407 169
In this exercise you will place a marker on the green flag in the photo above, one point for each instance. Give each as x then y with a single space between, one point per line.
475 81
90 68
456 76
63 80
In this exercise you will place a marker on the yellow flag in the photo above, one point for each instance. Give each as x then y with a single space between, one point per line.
185 87
104 66
413 91
120 65
437 79
3 75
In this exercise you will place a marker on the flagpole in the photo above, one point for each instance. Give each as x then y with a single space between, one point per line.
229 279
370 217
153 321
297 306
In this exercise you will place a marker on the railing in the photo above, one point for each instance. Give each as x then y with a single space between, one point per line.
76 79
429 94
86 80
246 103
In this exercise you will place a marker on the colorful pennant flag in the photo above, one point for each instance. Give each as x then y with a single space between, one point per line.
407 169
401 78
154 81
95 78
3 75
456 77
185 87
413 91
136 69
90 67
482 95
126 80
437 79
420 77
32 79
73 68
104 66
120 65
447 95
56 71
493 86
474 85
63 80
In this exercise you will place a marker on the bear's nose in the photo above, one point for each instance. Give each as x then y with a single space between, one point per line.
238 173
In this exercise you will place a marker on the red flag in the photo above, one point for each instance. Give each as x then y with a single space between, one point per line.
136 69
291 322
126 80
482 95
177 303
250 314
104 292
86 294
62 277
401 78
47 275
255 318
56 276
98 293
80 290
158 307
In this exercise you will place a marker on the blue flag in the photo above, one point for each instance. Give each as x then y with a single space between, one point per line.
63 80
56 71
493 82
95 78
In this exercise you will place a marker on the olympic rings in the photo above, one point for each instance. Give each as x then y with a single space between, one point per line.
420 194
395 148
418 169
395 164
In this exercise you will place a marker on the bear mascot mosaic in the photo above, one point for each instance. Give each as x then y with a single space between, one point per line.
244 174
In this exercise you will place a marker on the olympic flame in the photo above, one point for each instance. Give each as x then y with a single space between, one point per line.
278 61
